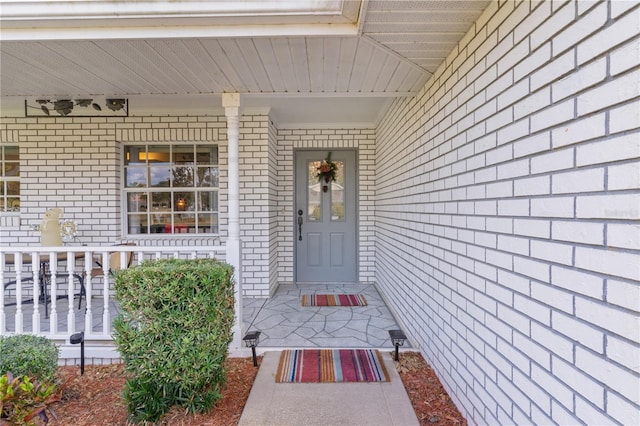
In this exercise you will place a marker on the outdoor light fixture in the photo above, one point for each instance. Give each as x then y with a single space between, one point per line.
397 338
181 204
74 340
251 340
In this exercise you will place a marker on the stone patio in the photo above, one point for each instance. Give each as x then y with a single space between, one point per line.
284 322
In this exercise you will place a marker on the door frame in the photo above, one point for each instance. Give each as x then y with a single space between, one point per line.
294 231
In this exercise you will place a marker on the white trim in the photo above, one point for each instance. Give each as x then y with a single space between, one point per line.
394 95
163 31
116 11
231 105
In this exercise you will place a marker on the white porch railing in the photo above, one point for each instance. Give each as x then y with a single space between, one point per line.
40 287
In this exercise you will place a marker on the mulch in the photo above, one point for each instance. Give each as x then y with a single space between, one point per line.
96 397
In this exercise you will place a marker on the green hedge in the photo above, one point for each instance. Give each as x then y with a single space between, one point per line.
173 333
29 355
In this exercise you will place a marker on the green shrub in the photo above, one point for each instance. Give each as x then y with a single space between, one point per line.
29 355
22 401
173 333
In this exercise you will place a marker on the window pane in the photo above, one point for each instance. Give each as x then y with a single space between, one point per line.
157 154
160 223
134 154
208 223
161 202
337 193
11 169
137 224
159 176
208 201
184 223
11 153
13 188
207 155
314 196
135 177
183 154
184 201
13 204
183 177
137 202
208 176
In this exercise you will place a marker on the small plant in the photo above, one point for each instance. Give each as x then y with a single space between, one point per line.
29 355
173 333
22 401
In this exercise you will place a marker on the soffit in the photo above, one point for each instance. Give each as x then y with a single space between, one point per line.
373 50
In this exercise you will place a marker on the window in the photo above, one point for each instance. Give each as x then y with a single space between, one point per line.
171 189
9 179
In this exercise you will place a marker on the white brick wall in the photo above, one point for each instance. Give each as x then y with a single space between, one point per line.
74 163
83 154
543 218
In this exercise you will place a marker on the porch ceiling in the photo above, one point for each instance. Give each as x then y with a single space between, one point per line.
358 53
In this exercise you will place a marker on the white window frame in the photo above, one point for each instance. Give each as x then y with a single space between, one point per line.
174 227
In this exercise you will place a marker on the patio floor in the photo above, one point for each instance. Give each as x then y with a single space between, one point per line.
62 311
282 320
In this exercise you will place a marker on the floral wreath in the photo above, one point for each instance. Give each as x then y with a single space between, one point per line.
327 169
68 229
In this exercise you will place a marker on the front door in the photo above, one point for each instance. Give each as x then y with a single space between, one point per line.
326 217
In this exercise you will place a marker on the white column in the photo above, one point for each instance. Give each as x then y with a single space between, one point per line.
231 104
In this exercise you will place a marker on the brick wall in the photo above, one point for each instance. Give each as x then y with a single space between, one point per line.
274 181
75 163
514 202
362 140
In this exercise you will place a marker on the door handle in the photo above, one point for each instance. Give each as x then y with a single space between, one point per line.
300 220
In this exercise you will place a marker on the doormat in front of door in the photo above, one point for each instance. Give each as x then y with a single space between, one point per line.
333 300
331 366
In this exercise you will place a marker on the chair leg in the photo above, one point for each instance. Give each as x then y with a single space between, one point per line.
83 291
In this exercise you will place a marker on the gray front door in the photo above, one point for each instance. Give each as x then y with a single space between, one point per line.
326 218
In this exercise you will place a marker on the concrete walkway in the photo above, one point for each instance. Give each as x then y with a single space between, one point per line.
326 404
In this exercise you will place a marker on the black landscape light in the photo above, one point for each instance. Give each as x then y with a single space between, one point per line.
74 340
251 340
397 338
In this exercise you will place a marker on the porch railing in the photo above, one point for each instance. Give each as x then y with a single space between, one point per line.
40 287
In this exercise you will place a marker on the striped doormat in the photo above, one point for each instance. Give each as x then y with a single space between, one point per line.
333 300
331 366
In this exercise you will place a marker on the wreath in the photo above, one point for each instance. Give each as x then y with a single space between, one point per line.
68 230
327 169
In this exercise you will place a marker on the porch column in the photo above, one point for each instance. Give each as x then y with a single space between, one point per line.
231 104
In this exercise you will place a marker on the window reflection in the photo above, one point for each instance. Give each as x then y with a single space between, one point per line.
314 194
337 193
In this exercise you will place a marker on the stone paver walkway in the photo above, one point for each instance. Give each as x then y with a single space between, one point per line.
285 323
